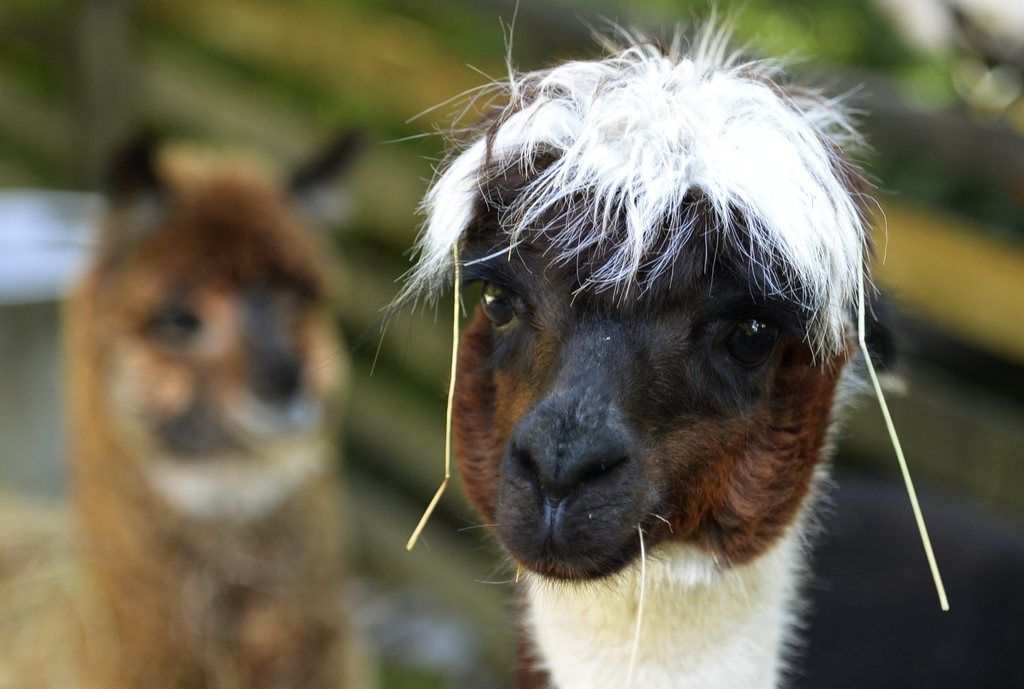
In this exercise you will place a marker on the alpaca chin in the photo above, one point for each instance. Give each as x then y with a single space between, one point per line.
238 487
258 420
704 626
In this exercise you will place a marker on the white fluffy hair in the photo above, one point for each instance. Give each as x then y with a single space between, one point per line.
635 138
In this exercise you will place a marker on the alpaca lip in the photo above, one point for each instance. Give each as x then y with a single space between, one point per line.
564 562
554 514
572 538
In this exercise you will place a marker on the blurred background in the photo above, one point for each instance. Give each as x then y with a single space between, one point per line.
941 87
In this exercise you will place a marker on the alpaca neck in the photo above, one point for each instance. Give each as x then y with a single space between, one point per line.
703 627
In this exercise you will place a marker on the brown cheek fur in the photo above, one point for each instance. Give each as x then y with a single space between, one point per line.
736 484
733 484
160 386
482 420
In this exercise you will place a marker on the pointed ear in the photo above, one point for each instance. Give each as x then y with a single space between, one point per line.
131 172
883 343
311 183
136 195
329 165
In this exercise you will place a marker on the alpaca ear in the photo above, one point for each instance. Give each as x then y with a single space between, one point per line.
133 188
311 183
881 336
131 172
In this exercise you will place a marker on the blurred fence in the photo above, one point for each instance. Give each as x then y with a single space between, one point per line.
75 77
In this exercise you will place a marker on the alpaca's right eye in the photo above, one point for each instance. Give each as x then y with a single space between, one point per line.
497 305
175 324
751 342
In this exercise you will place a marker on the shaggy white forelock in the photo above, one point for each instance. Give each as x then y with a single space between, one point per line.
642 133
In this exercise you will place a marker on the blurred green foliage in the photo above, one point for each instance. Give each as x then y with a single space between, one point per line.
37 60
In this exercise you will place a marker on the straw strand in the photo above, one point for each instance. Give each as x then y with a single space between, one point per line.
448 412
904 469
639 610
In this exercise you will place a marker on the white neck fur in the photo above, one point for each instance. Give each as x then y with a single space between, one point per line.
703 627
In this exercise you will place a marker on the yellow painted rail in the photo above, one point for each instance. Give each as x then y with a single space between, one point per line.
957 274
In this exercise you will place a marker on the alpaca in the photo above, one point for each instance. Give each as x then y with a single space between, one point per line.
670 243
203 371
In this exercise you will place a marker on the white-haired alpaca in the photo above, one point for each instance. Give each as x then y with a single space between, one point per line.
646 225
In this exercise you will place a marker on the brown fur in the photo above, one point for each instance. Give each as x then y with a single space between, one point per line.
738 483
528 676
180 601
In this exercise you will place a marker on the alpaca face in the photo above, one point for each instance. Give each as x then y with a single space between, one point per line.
204 372
673 242
692 410
218 359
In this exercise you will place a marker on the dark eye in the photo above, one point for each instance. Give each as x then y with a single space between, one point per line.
751 342
497 305
175 324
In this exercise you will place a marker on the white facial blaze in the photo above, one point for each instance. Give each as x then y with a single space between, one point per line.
634 139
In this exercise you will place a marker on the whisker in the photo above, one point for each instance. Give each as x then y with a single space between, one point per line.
476 526
494 582
667 522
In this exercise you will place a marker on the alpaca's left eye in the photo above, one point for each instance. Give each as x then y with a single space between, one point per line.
751 342
175 324
497 305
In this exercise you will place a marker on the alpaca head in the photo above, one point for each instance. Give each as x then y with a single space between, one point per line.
670 244
213 341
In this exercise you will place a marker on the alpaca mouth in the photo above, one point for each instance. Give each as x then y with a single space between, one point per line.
197 434
244 429
571 539
257 419
564 562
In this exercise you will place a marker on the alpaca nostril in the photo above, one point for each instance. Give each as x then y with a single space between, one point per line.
558 451
527 464
600 467
557 471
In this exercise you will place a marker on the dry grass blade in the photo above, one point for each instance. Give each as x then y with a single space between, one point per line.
456 290
639 610
918 516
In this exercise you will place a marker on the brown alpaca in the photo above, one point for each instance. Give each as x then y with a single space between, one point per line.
670 245
203 367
